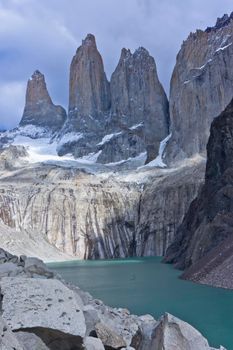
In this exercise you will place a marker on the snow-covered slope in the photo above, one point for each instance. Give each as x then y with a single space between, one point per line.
43 147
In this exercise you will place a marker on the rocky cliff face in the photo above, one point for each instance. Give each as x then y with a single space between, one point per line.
39 109
119 120
207 226
89 98
138 98
101 215
201 87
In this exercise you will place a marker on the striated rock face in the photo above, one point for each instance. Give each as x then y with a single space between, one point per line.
206 232
39 109
138 98
89 97
101 215
201 87
163 204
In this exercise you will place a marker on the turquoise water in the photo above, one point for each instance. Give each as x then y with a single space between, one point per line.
144 285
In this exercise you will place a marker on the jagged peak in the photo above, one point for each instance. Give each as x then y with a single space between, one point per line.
141 51
221 22
36 75
89 40
125 53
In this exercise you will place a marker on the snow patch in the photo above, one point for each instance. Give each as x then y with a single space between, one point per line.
158 161
204 65
107 138
136 126
140 157
69 138
91 157
223 48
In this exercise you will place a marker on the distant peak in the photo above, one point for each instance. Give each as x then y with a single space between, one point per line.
37 74
141 51
89 40
125 53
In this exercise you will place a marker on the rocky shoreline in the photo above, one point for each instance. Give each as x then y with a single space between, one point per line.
40 311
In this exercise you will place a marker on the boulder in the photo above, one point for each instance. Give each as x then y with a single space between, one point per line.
30 341
109 337
10 269
8 340
91 343
40 303
34 266
173 334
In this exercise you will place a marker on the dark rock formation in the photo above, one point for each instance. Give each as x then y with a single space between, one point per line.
209 220
138 98
201 88
39 109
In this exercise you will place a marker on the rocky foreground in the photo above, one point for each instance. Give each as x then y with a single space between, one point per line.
39 311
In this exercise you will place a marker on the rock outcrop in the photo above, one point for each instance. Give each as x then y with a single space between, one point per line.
201 88
172 333
206 232
39 109
49 314
89 97
8 340
139 100
119 120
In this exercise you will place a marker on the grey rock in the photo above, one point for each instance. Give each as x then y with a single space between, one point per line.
91 343
109 337
10 269
41 303
132 110
89 96
103 216
201 88
8 340
30 341
139 98
39 109
172 333
35 266
91 318
162 207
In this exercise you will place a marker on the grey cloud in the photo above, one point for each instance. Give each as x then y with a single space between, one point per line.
45 34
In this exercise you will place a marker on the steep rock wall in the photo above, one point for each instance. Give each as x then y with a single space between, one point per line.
99 216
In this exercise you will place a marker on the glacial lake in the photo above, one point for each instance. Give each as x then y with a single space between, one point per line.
145 285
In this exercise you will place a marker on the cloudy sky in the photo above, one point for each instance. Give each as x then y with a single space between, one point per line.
44 35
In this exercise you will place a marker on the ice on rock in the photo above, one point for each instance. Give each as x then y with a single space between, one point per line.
107 138
134 127
223 48
158 161
69 138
